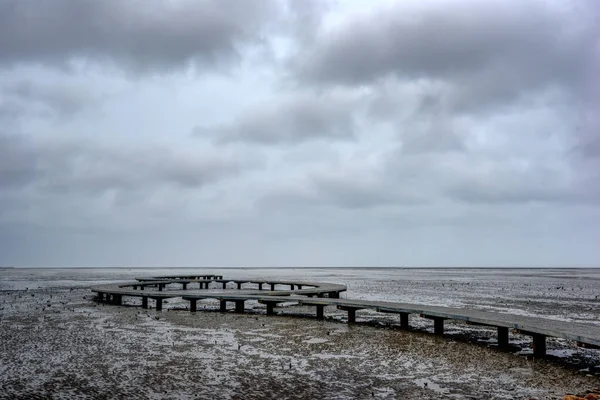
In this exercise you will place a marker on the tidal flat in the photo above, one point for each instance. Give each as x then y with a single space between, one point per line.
57 342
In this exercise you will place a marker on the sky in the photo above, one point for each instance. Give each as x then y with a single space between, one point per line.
300 133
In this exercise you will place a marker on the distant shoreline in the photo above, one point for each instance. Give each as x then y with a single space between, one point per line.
311 268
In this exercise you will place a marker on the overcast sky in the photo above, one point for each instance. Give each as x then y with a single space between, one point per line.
299 133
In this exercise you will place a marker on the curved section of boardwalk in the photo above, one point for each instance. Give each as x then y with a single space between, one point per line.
320 295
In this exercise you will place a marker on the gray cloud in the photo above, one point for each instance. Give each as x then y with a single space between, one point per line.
401 180
431 129
133 34
515 186
347 192
297 118
414 133
17 161
18 99
72 167
488 51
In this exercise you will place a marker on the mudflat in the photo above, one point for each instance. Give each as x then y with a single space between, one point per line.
57 342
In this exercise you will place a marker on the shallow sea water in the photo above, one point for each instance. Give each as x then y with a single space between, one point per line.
58 343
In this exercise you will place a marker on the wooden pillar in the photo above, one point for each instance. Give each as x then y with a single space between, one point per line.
539 345
320 313
158 304
502 337
193 305
239 285
223 306
351 315
270 308
260 286
272 286
291 287
239 306
438 326
404 321
184 285
141 287
224 285
144 302
160 287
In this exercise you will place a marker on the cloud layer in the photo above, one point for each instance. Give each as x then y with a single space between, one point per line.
210 133
130 34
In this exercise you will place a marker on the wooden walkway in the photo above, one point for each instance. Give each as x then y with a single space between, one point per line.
321 295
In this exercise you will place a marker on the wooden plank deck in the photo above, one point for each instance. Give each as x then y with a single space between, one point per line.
538 328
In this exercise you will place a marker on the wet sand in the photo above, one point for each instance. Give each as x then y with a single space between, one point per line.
58 343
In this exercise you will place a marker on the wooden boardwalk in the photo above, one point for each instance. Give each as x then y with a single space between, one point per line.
321 295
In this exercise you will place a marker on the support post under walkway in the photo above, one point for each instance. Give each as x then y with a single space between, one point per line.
502 337
404 321
239 306
539 345
320 311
